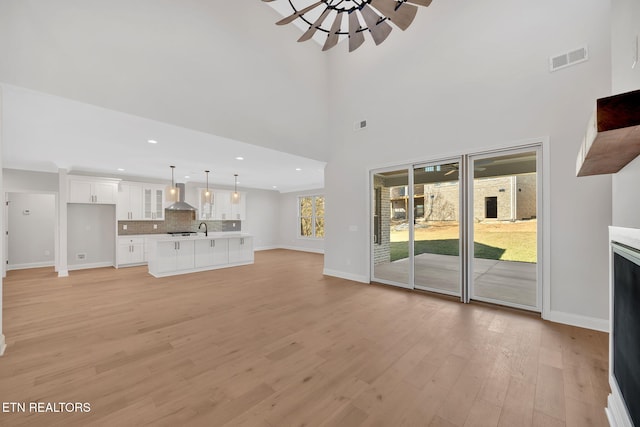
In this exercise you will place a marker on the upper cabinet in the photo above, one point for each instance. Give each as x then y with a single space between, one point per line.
222 207
129 205
153 200
92 190
613 136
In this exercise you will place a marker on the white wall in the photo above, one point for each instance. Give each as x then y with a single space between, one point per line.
223 68
468 76
263 211
625 27
31 236
2 246
288 223
91 230
16 180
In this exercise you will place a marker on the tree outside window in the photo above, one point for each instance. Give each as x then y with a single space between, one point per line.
311 216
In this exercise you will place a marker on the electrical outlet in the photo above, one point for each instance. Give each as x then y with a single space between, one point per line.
124 226
233 225
155 226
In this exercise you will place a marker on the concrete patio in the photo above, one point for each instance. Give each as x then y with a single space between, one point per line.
506 281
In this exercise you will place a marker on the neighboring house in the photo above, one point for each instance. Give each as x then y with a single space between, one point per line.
505 198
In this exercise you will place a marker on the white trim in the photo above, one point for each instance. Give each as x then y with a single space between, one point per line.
30 265
198 270
266 248
90 265
616 409
577 320
301 249
63 273
3 345
344 275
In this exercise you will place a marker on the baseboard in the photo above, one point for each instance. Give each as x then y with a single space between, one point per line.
343 275
3 345
577 320
91 265
63 273
302 249
266 248
29 265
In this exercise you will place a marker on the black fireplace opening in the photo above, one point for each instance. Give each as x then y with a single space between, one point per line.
626 327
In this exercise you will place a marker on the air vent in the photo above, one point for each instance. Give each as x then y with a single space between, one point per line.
567 59
81 256
359 124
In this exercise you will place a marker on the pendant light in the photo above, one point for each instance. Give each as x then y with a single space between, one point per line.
172 194
208 197
235 197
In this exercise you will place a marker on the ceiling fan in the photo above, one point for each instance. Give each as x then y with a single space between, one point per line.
455 167
374 14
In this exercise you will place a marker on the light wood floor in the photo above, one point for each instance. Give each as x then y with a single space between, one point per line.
278 344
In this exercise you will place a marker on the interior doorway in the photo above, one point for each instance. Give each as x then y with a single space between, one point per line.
466 226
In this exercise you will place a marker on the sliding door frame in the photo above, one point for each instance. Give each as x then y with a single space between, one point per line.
540 218
541 146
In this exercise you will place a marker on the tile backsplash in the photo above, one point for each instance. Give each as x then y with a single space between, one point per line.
175 221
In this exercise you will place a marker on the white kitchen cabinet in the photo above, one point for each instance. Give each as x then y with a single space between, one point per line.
211 252
174 255
240 249
153 199
130 250
96 191
224 209
129 206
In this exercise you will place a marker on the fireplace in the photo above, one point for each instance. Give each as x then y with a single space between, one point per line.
623 409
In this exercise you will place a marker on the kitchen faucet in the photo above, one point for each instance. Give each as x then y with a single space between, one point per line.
206 231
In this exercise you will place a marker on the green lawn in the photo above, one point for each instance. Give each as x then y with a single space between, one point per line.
508 246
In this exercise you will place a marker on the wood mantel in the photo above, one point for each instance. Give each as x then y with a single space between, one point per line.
613 136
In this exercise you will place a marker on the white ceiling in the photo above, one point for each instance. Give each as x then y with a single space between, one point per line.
43 132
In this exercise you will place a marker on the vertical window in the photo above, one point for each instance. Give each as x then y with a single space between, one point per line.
311 216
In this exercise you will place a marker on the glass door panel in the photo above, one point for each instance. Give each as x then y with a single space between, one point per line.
504 213
436 225
390 226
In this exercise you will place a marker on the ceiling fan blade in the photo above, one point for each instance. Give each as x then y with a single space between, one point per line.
301 12
450 172
267 1
402 16
356 38
312 30
379 30
332 38
424 3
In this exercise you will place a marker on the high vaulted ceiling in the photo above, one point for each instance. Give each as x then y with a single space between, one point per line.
87 83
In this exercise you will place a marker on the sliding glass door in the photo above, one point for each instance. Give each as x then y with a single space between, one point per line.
466 226
504 207
436 225
390 225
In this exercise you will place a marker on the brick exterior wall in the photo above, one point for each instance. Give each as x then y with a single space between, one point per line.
527 203
382 250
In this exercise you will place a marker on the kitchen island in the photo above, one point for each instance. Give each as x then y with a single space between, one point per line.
171 255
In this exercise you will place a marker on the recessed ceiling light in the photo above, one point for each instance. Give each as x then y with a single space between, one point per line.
187 177
120 170
275 186
239 158
152 141
298 169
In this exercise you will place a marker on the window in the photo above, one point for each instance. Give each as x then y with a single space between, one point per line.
311 216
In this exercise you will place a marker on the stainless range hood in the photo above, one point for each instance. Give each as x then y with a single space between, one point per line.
181 205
